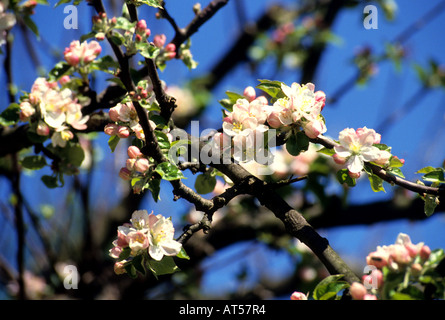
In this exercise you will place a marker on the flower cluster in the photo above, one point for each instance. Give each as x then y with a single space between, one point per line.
137 166
54 110
81 53
126 122
148 235
102 25
7 21
402 259
302 106
251 117
358 146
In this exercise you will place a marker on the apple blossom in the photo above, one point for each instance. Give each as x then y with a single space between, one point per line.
358 291
159 40
133 152
161 238
249 93
245 118
356 146
84 53
26 111
42 128
137 241
298 296
7 21
125 174
111 129
61 136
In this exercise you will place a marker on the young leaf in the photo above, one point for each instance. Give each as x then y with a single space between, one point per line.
376 183
343 177
10 116
297 143
154 185
431 203
112 142
60 69
169 171
327 151
272 88
33 162
182 254
329 287
205 183
49 181
166 266
125 253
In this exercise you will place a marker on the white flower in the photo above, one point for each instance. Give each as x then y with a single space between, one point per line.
161 238
356 146
7 21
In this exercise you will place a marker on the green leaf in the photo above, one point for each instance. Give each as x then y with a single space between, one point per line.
162 138
376 183
147 50
125 253
427 169
272 88
87 36
297 143
11 115
154 185
124 24
382 146
33 162
233 96
104 64
205 183
166 266
151 3
138 263
227 104
182 254
169 171
112 142
50 181
327 151
60 69
343 177
329 287
395 162
396 171
435 176
131 270
431 203
73 153
31 25
61 2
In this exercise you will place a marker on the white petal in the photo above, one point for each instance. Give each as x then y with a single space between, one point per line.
171 247
155 252
355 164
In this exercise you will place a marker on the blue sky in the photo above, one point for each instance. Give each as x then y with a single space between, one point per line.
363 106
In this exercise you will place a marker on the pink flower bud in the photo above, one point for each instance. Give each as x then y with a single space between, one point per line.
142 165
298 296
125 174
170 55
26 110
375 279
100 36
119 267
354 175
134 152
339 160
114 114
358 291
147 32
425 252
113 21
130 164
138 38
262 100
123 132
42 129
400 254
416 268
111 129
383 157
369 297
273 119
412 249
159 40
170 47
314 128
141 26
64 80
249 93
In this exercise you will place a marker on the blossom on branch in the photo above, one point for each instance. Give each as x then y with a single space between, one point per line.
357 147
82 54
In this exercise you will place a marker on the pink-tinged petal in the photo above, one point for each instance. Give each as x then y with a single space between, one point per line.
348 137
342 151
171 247
370 153
355 164
250 123
228 129
366 136
155 252
310 86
